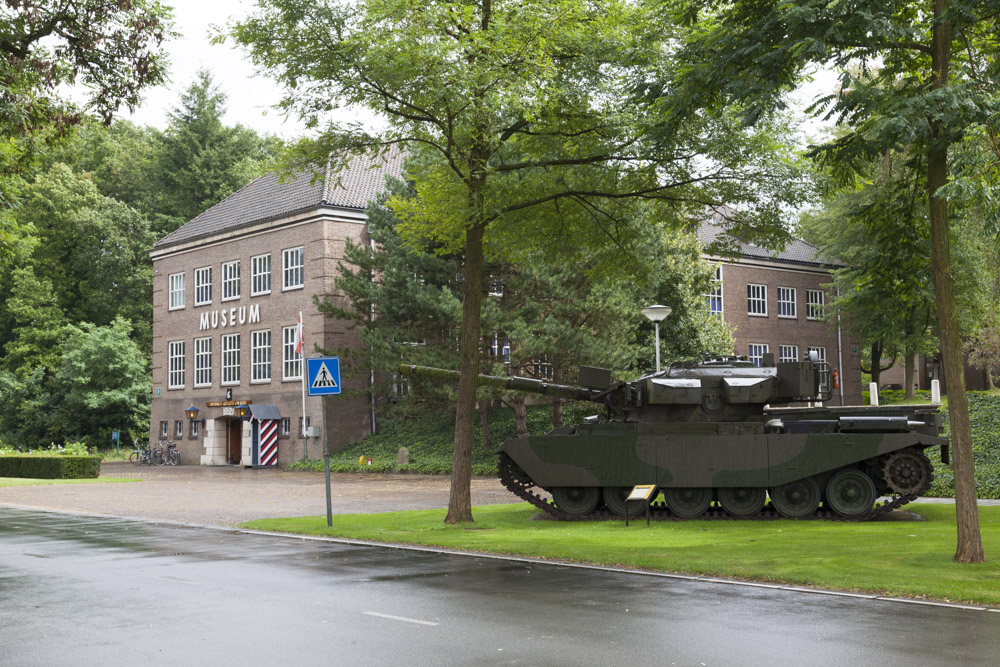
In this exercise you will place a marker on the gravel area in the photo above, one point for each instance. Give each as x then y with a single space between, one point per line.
229 495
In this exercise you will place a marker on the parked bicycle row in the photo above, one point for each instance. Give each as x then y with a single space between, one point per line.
163 453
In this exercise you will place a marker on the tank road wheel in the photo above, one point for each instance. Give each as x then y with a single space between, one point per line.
688 503
742 502
614 498
850 493
908 472
576 500
796 499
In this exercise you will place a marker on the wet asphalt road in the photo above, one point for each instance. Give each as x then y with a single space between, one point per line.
84 590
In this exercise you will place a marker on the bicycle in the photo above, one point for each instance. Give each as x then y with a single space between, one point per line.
141 455
172 456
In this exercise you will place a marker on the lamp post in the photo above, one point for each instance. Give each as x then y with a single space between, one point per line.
656 314
192 415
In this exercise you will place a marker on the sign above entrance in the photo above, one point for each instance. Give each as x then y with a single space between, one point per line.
227 404
323 376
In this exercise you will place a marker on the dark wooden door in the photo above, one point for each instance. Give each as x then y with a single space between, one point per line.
234 441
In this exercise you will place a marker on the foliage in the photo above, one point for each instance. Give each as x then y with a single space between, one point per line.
984 416
533 135
50 467
430 440
201 161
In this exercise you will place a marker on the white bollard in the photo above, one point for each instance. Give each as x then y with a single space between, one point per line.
873 393
936 392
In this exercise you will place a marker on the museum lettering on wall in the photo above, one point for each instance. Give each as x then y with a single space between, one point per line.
229 317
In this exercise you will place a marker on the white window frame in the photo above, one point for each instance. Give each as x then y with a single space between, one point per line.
164 429
231 280
291 362
756 352
260 274
260 356
821 352
756 300
786 302
293 276
203 362
788 353
175 290
230 359
302 431
194 428
203 286
815 304
175 364
715 304
286 426
179 428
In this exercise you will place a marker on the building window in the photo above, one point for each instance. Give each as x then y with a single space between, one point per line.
820 353
260 275
500 347
175 364
786 302
286 426
202 362
757 352
788 353
757 300
203 286
175 281
814 304
715 296
291 361
293 268
231 359
178 429
306 422
541 368
163 429
231 280
260 356
194 428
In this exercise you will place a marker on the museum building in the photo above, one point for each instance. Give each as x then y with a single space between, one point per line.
775 303
228 288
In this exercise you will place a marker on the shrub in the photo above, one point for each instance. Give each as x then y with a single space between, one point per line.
984 417
39 466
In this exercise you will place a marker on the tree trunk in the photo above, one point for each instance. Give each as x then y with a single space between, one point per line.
989 380
876 355
557 403
483 408
970 543
908 362
520 409
460 496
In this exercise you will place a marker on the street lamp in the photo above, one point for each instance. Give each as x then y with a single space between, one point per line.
192 414
657 314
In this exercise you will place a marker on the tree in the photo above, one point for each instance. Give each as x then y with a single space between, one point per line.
201 161
929 84
530 110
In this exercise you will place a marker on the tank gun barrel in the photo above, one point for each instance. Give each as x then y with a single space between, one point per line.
513 383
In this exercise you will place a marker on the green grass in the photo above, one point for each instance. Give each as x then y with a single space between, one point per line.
899 558
24 481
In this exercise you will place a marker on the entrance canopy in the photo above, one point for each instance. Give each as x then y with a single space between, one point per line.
264 411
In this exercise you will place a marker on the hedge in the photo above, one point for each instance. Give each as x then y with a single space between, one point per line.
984 418
50 467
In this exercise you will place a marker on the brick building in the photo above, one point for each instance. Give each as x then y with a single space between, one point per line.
228 287
775 303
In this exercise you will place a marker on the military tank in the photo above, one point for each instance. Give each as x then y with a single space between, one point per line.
721 438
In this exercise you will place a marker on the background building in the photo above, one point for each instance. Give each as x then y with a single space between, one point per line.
228 287
775 302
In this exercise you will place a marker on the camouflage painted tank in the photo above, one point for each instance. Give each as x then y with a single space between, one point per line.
714 438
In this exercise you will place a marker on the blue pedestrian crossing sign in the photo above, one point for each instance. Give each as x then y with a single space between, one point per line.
323 376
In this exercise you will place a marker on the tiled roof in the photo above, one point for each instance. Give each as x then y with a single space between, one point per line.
265 198
797 251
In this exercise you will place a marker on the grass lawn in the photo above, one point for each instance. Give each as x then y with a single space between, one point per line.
25 481
900 558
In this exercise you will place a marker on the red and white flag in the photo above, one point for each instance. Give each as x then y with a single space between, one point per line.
300 337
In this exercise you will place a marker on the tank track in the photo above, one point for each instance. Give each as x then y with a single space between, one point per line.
515 480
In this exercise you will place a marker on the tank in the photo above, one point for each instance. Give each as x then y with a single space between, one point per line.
720 438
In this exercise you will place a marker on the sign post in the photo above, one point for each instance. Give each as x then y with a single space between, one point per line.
643 492
324 380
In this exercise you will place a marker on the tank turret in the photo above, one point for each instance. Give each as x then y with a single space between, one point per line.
720 438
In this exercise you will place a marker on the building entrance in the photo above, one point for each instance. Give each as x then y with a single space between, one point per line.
234 441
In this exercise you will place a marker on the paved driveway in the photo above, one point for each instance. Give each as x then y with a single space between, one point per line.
229 495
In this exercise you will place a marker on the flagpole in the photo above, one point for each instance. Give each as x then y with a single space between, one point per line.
302 338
